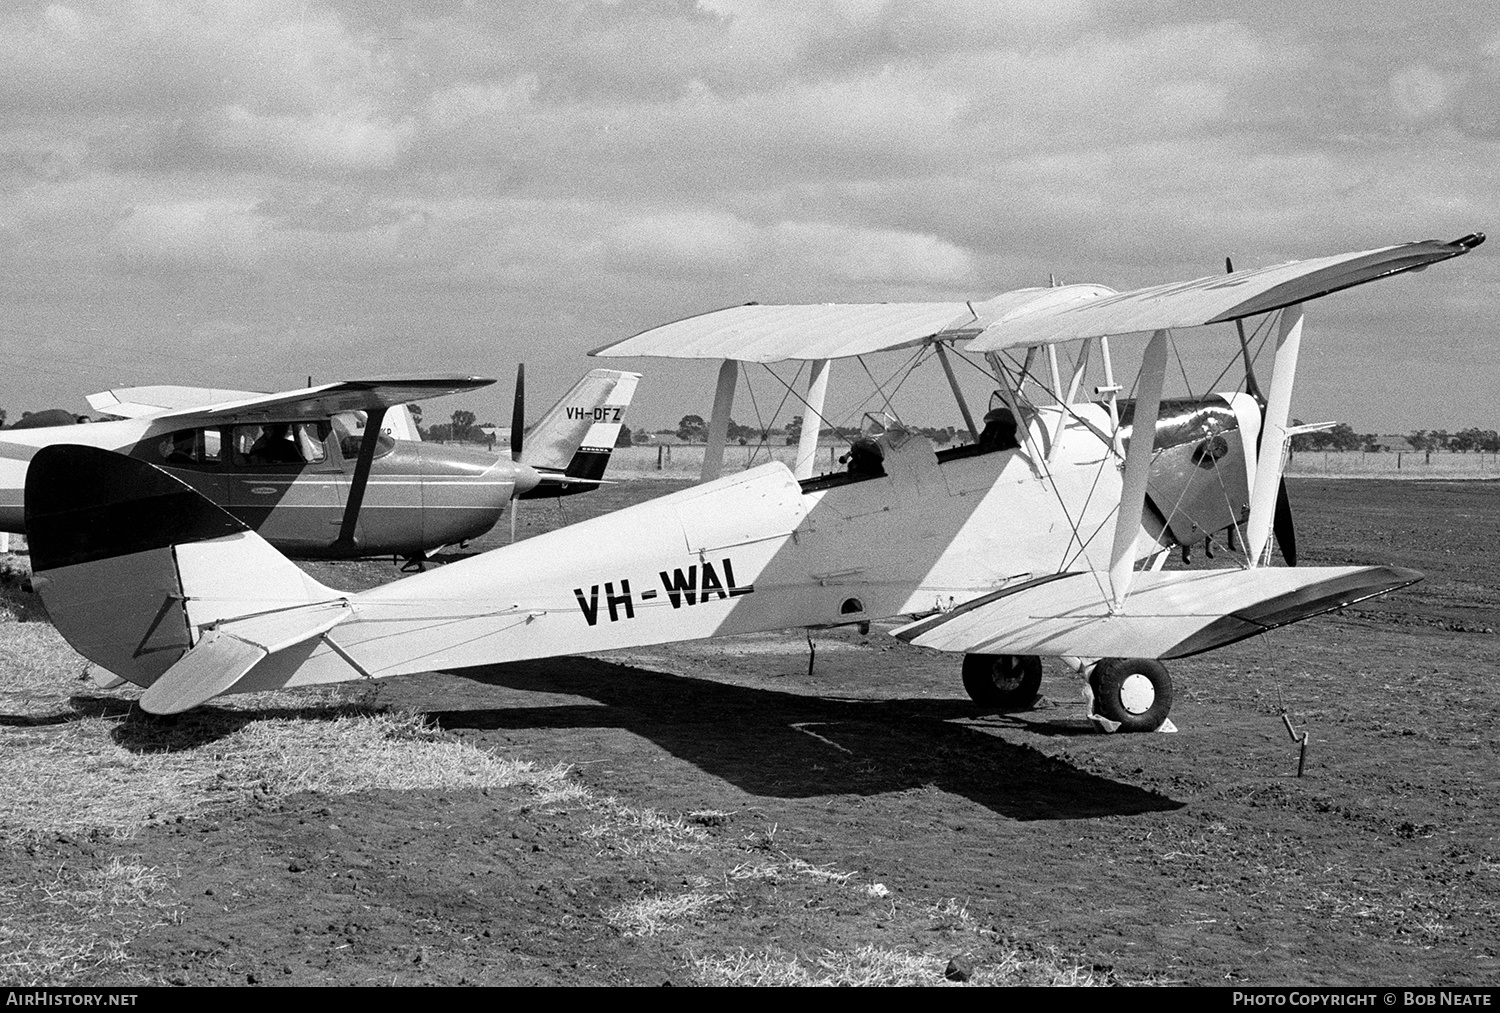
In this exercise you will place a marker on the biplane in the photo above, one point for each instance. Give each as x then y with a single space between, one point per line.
1044 536
297 466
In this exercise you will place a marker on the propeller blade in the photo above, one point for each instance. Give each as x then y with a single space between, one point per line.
518 420
515 508
1251 387
1282 527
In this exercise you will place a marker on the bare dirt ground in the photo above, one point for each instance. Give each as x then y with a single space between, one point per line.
713 813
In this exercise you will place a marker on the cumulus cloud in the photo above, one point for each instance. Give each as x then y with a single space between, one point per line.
687 241
451 108
189 235
1418 92
872 255
624 161
318 142
726 242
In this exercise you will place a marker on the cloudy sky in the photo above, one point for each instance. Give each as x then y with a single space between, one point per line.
246 192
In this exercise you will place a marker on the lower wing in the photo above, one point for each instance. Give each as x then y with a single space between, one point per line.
1168 614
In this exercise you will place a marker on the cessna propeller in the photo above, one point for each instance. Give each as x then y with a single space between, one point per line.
517 425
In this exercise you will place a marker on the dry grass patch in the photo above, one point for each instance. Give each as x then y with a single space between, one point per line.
116 770
79 759
876 965
76 927
643 831
790 868
651 916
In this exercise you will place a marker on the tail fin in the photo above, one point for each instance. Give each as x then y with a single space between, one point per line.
150 580
399 425
574 439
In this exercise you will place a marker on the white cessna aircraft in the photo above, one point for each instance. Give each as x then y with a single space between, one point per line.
295 465
1042 538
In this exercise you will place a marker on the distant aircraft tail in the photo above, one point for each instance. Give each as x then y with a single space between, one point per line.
399 424
148 579
570 446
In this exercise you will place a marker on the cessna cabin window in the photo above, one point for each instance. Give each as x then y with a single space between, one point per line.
280 443
191 446
350 427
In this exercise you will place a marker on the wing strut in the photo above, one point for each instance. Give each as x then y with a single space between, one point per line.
1079 368
812 422
718 423
1273 436
1011 396
958 394
367 445
1137 469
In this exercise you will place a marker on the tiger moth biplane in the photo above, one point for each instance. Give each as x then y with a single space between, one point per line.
1043 537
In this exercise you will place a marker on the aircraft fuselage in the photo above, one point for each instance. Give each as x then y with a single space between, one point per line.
419 497
749 552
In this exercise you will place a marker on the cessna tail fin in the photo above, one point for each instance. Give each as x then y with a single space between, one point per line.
572 443
150 580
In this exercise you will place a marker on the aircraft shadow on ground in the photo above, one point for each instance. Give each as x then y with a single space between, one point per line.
788 745
140 732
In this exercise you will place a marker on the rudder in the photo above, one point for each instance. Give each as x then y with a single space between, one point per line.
578 433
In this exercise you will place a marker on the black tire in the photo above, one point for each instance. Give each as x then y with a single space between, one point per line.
1007 682
1136 692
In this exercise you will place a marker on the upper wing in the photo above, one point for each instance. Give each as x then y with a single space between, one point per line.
325 401
138 402
772 333
1215 299
1023 317
1168 615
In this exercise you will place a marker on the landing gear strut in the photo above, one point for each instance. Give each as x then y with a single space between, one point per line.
1007 682
1133 693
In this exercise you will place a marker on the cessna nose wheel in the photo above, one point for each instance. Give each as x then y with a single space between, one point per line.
1007 682
1136 692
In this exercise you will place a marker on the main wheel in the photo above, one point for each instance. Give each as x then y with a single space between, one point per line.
1136 692
1008 682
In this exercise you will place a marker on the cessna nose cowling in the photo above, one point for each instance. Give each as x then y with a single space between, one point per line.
464 492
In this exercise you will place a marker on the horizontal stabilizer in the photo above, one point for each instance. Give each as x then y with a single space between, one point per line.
215 664
223 655
1168 614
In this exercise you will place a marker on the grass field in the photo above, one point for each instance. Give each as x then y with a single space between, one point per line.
725 813
686 461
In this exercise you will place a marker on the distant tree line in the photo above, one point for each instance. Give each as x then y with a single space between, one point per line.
463 427
1343 437
692 429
